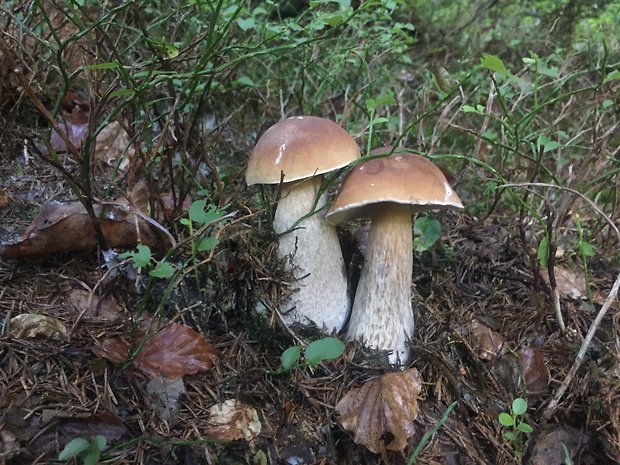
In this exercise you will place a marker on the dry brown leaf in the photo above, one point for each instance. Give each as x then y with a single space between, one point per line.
529 367
113 142
174 351
5 198
93 307
534 370
61 228
164 395
231 420
548 448
570 285
381 412
30 325
487 344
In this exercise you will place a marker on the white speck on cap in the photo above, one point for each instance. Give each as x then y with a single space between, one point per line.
300 147
280 153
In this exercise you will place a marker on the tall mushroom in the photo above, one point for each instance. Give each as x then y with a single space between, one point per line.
388 190
298 151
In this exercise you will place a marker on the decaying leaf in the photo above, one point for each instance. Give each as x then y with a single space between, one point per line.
570 284
29 325
381 412
548 448
231 420
172 352
527 367
534 370
61 228
487 344
164 394
93 307
112 142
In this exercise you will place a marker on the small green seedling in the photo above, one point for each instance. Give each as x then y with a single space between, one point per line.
88 451
142 257
328 348
514 421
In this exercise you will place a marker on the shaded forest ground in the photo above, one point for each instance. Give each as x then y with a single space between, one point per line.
179 118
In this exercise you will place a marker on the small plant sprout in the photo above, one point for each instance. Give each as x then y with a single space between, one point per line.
88 451
517 427
142 258
328 348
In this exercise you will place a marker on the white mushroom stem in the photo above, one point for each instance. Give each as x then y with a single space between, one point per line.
313 256
382 316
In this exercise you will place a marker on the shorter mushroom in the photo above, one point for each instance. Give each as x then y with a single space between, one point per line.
297 151
388 190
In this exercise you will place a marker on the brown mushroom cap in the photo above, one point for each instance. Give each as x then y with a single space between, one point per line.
300 147
401 178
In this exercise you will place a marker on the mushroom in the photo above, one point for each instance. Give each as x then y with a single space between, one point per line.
297 151
388 190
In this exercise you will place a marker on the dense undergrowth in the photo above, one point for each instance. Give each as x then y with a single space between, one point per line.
517 101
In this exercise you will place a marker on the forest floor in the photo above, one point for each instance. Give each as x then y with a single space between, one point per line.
486 334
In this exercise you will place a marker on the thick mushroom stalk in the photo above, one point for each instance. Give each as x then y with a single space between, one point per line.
294 149
313 256
382 316
388 190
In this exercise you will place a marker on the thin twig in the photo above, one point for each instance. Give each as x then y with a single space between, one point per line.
613 294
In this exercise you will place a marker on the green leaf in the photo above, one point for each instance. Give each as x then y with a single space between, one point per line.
371 104
208 243
141 256
122 92
510 436
428 231
506 419
519 406
246 24
586 249
74 448
615 74
469 109
91 456
525 428
198 214
99 442
289 357
543 252
162 270
109 65
546 144
323 349
246 81
493 63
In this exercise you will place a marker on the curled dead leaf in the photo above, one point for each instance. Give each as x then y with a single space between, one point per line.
381 412
112 143
172 352
61 228
570 284
29 325
233 419
486 343
93 307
